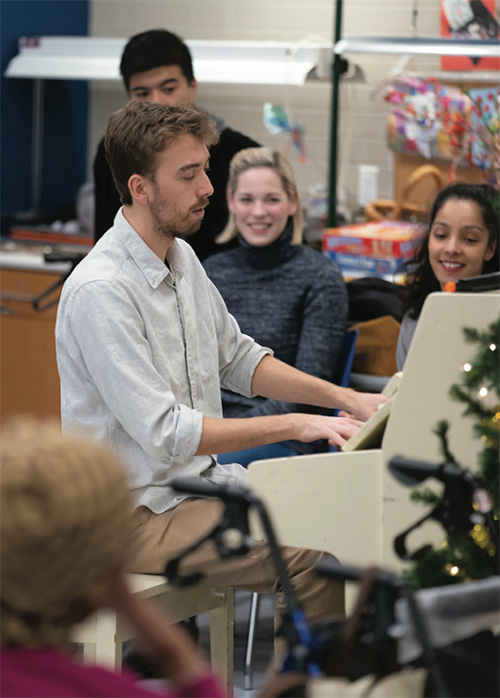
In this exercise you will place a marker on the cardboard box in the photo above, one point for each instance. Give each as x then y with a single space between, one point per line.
363 265
381 240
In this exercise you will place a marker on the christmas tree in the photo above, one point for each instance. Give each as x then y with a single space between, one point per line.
471 556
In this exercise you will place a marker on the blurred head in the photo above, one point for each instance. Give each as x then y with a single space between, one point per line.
139 136
462 240
64 525
156 66
262 195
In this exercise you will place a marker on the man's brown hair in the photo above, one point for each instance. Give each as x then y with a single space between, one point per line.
140 131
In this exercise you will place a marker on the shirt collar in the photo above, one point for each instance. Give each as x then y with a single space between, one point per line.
176 260
151 266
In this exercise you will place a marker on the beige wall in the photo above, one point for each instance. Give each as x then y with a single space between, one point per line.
362 127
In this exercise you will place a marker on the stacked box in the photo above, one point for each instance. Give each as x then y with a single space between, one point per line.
378 248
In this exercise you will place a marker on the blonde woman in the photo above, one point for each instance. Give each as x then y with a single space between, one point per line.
283 294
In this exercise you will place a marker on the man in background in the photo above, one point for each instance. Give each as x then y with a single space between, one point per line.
156 66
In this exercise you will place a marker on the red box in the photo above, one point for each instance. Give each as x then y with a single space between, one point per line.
382 240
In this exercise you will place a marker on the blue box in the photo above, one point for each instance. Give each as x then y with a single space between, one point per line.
371 266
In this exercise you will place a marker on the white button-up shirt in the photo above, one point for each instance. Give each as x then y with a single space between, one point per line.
143 349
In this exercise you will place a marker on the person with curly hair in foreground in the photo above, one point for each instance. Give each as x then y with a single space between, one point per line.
65 527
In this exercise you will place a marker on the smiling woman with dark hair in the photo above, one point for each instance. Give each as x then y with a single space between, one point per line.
462 242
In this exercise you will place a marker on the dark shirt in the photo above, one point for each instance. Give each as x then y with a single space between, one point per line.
107 201
289 298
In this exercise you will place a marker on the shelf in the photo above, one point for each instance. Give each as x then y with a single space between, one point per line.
415 46
241 62
456 76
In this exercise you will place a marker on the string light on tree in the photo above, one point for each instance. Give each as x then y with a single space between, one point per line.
462 558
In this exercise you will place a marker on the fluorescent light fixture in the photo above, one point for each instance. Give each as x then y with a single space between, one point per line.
412 45
238 62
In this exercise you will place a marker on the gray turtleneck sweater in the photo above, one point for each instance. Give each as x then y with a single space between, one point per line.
289 298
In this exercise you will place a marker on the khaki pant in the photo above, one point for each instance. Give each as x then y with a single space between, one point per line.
161 537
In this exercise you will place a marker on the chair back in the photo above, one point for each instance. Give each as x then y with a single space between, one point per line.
344 364
346 357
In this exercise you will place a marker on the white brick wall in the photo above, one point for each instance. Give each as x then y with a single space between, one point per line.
362 118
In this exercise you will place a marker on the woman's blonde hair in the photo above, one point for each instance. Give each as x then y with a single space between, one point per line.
263 157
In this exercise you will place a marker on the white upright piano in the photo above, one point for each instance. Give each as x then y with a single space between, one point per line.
348 503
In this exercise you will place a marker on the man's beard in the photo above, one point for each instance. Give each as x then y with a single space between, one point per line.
167 229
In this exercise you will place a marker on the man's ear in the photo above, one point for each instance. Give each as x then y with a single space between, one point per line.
138 188
194 86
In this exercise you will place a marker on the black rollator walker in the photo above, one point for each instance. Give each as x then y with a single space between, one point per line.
368 642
